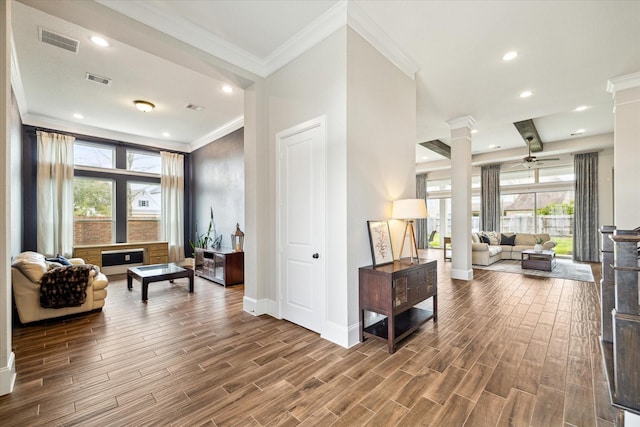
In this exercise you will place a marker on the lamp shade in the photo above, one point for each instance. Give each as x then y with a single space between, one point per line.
409 209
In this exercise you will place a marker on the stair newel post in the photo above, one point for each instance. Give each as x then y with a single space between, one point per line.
626 320
607 283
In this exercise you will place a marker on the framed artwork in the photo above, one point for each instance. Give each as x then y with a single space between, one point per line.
380 240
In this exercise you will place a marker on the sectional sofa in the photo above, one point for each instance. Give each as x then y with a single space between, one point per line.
504 245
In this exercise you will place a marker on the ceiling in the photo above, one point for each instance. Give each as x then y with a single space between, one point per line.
175 53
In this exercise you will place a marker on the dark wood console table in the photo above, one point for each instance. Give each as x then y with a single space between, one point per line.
223 266
393 290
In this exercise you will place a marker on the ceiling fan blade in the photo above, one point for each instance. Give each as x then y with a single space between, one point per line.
549 158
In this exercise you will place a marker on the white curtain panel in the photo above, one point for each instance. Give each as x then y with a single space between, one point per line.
172 190
55 194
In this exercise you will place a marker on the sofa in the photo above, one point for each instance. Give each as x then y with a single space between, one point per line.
28 271
504 245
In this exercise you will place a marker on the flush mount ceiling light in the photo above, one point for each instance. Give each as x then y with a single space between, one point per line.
526 94
144 106
581 108
510 55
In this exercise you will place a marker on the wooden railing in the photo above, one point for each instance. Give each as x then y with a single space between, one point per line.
620 307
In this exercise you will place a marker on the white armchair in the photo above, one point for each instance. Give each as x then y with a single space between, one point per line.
27 270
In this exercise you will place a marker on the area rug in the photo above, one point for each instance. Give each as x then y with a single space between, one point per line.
564 269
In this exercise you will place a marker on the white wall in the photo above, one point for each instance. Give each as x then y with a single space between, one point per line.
7 360
369 106
381 135
605 186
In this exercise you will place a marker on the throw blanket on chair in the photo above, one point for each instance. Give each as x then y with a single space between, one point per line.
65 286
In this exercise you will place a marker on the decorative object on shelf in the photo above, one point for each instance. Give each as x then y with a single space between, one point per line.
237 239
380 241
409 210
203 241
538 246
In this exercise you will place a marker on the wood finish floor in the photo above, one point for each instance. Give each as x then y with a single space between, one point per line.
507 350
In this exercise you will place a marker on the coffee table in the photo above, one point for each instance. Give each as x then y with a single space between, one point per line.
157 273
534 260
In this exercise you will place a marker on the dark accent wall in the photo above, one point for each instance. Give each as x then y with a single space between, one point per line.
218 183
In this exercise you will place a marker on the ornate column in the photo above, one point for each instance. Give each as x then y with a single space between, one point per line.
607 283
625 322
626 156
461 197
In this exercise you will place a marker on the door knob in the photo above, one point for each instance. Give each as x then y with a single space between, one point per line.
316 255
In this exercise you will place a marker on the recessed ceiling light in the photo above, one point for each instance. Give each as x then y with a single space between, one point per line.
474 130
99 41
78 116
526 94
144 106
166 134
494 146
510 55
578 132
227 89
581 108
425 157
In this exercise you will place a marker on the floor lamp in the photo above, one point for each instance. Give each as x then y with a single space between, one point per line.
409 210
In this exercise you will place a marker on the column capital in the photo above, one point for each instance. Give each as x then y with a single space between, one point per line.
623 82
462 122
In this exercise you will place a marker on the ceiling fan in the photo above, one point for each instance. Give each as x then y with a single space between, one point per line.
530 161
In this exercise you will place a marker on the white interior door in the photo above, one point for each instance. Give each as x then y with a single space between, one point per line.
301 229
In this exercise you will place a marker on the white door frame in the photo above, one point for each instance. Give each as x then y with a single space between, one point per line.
280 136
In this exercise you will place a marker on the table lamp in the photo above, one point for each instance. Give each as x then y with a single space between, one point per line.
409 210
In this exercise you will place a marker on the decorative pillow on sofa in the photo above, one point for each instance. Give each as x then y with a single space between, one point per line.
494 237
475 238
485 239
508 240
59 259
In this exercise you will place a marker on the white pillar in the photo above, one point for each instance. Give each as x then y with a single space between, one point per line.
461 197
626 150
7 361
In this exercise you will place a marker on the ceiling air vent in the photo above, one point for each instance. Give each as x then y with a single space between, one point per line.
194 107
99 79
58 40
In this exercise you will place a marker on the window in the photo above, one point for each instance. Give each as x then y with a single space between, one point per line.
143 213
117 194
562 173
526 176
438 184
93 155
93 211
549 212
138 161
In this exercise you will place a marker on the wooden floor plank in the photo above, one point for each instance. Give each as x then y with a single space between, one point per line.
506 349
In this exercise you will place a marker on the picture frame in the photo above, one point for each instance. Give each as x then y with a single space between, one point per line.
380 241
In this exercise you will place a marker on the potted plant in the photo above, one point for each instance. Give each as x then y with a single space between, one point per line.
203 241
538 246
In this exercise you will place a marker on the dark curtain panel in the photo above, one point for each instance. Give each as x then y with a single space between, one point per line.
422 234
490 198
585 216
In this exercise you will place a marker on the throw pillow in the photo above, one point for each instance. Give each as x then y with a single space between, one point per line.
475 238
485 239
508 240
59 259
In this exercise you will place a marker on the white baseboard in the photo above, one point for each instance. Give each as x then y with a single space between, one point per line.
262 306
338 334
8 376
462 274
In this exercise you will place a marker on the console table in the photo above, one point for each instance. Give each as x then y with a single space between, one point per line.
154 252
393 290
223 266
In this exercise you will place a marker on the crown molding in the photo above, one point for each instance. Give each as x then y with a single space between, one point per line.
325 25
16 82
628 81
185 31
344 12
462 122
366 27
64 126
218 133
